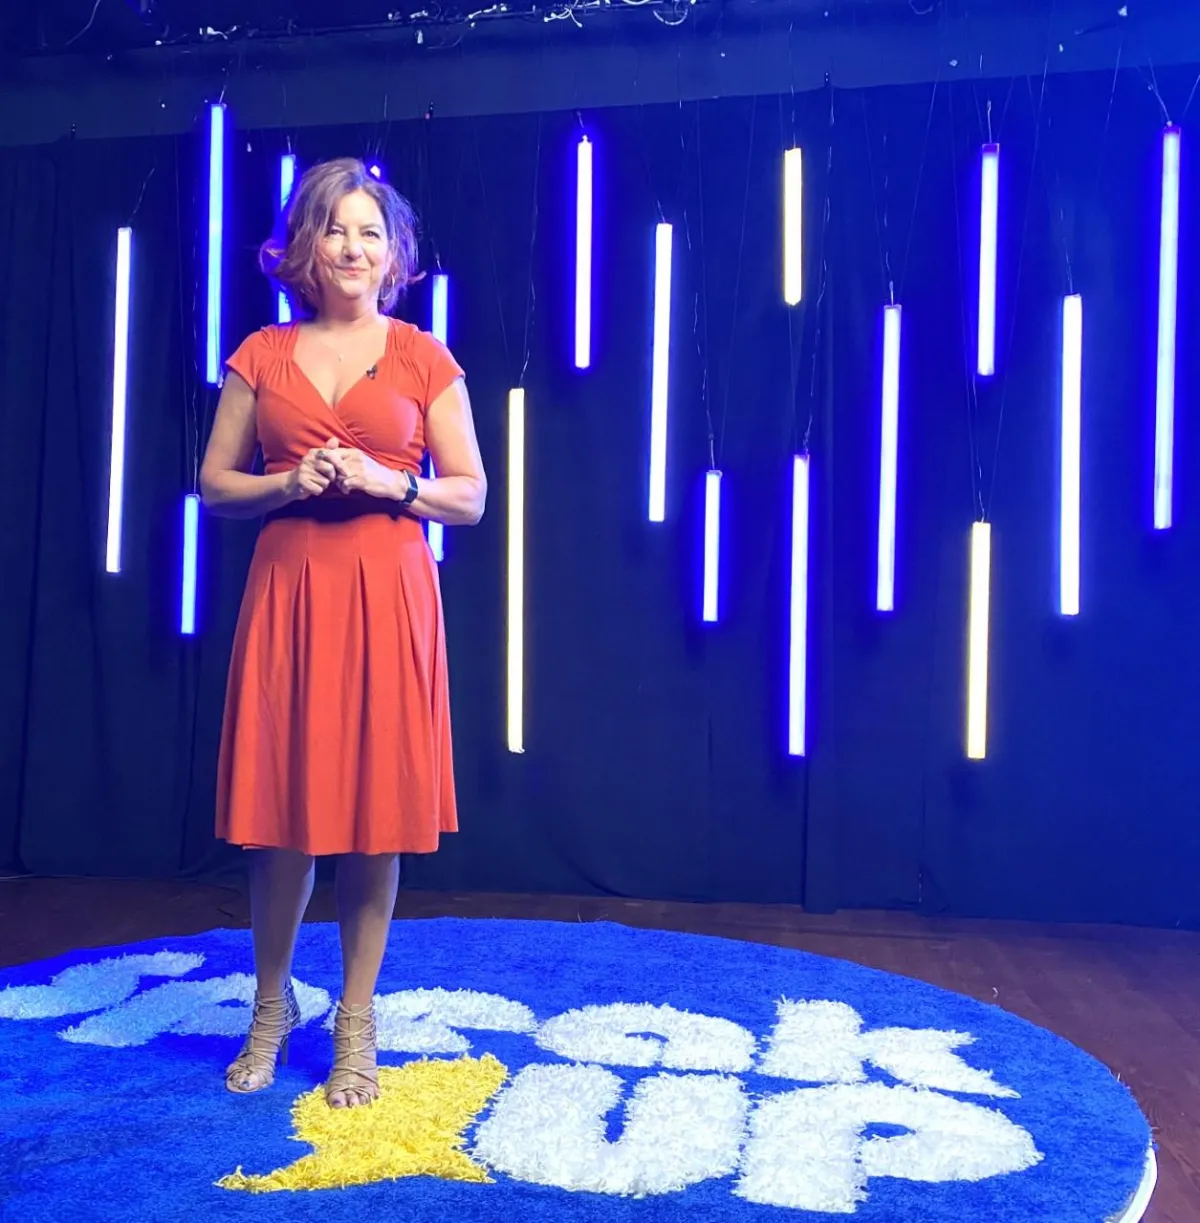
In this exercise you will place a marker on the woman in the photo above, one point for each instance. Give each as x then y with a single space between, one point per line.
336 737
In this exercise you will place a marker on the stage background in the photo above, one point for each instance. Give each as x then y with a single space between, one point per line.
656 762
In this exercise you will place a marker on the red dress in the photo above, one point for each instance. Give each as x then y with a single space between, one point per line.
336 737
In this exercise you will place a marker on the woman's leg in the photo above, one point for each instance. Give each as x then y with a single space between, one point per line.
366 900
281 882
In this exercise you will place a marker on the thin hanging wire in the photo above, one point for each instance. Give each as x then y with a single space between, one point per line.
880 225
700 308
203 406
425 188
1188 104
737 281
190 385
1012 325
487 221
1152 85
912 221
649 172
976 474
1112 94
1056 195
531 294
793 367
823 283
800 442
378 142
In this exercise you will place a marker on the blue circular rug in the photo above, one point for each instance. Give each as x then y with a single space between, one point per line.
537 1071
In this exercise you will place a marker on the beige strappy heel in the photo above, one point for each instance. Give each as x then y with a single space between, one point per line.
272 1024
354 1072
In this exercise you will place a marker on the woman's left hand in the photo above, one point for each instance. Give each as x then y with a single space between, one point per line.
359 473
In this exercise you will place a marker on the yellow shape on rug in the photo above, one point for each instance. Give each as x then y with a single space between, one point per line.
417 1127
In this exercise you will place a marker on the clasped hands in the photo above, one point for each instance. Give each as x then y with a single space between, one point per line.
341 467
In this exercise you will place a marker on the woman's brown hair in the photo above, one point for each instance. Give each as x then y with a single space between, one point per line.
289 256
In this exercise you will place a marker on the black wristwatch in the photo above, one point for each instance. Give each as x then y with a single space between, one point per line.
410 493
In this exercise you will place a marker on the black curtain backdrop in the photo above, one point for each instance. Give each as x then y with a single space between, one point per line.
656 758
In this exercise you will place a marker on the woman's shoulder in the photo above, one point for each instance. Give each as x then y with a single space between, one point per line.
273 337
259 350
427 361
412 340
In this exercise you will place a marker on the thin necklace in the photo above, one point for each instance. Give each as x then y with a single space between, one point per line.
337 352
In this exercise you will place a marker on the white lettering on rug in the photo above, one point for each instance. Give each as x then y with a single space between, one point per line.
549 1128
808 1149
823 1042
639 1034
813 1148
83 988
424 1020
186 1008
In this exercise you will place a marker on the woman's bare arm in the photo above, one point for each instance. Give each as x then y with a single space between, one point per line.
227 486
458 493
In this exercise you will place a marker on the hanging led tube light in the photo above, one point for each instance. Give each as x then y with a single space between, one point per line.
885 570
660 374
287 178
989 215
120 400
798 617
439 310
793 226
712 545
516 571
1070 449
583 254
191 533
1168 295
216 227
439 327
978 617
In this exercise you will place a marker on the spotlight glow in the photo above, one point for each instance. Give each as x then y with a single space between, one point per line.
439 327
516 570
191 531
375 170
1168 291
216 225
1070 450
660 373
793 226
978 616
989 210
885 573
120 399
583 255
712 544
798 620
287 177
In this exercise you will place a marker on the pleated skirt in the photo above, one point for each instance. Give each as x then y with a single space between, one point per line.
336 734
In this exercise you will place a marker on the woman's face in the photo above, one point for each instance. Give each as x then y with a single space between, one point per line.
353 259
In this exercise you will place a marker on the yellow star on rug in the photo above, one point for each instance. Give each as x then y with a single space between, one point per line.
416 1127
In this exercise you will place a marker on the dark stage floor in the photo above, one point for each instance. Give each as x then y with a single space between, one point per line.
1130 997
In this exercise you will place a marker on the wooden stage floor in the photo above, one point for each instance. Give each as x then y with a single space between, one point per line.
1130 997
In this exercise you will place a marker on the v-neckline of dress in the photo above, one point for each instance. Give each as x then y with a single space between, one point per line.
335 408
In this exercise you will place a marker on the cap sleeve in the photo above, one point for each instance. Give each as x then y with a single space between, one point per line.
247 361
440 368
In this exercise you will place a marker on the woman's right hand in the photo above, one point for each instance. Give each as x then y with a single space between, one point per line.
314 474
